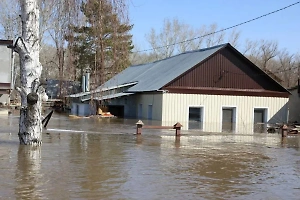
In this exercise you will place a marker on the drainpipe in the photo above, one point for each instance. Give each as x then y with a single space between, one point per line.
87 80
83 84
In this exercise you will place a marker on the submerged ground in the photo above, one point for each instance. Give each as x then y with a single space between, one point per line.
103 159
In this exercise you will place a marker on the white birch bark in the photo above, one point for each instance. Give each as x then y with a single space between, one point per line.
27 46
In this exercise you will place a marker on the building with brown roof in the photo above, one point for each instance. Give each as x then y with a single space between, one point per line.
214 90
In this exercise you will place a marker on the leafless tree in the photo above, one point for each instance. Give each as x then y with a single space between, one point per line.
212 38
63 14
178 37
198 42
31 92
234 38
268 50
287 68
9 19
48 58
163 43
261 52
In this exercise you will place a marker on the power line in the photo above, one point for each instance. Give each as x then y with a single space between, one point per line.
221 30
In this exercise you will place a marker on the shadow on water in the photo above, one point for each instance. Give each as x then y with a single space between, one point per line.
103 159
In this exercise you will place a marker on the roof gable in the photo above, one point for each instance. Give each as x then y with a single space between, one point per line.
227 70
164 73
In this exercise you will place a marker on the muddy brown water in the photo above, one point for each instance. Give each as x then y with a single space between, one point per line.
103 159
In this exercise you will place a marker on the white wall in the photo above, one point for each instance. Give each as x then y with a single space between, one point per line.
175 109
145 100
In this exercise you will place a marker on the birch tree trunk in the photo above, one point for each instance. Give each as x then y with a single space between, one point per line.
32 93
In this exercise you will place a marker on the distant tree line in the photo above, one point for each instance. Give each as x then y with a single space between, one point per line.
80 34
177 37
76 35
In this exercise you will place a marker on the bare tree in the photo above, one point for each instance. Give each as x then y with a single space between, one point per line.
141 58
48 58
268 50
234 38
32 93
163 43
251 51
198 43
287 68
178 37
9 19
184 34
213 38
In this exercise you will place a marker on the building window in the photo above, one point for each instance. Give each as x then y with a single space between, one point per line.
195 118
260 120
228 119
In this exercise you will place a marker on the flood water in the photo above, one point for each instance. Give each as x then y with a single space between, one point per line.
103 159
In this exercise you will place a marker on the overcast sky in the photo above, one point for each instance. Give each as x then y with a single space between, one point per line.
283 26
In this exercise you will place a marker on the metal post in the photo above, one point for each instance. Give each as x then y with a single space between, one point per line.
139 126
177 128
284 130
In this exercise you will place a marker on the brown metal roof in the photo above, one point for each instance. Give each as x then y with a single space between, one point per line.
227 72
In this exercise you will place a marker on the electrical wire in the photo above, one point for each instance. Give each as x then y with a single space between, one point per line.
221 30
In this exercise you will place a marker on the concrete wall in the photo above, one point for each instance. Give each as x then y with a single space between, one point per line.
176 109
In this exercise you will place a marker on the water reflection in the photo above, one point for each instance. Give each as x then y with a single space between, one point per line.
28 177
98 160
103 159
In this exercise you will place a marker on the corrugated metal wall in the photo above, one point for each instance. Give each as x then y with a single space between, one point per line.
176 106
226 70
144 100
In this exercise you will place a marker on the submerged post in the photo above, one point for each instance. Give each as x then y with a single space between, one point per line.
284 130
139 126
177 128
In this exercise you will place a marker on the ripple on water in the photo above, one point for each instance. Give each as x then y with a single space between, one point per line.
101 159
